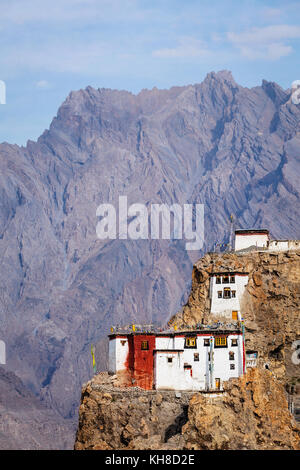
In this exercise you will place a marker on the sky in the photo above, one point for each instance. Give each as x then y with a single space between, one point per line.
50 47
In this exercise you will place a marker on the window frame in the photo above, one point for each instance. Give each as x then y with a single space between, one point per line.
227 289
221 342
188 340
145 343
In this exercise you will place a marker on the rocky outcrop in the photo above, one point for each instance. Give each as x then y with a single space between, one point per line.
270 306
252 413
113 417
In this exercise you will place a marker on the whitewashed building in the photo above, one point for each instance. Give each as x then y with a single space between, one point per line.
179 360
247 238
283 245
226 292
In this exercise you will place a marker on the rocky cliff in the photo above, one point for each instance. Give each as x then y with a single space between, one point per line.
234 149
252 413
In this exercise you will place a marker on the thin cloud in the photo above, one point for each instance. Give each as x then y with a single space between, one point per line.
43 84
186 48
269 42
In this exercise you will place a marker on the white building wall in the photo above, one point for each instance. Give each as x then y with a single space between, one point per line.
245 241
174 376
284 245
225 306
117 354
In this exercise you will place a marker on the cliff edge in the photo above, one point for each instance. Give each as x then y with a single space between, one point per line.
251 413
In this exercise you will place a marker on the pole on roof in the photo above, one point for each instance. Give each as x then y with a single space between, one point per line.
231 232
211 362
244 352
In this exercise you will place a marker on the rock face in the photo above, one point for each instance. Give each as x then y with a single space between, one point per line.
25 422
270 306
252 413
236 150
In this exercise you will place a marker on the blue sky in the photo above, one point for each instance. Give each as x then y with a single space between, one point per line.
49 48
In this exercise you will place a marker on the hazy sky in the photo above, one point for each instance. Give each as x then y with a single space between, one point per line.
49 48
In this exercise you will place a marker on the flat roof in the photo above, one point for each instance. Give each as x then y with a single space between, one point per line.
202 332
251 230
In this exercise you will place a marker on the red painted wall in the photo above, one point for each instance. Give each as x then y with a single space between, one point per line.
140 362
143 361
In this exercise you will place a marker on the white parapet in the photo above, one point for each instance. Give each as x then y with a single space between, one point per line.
283 245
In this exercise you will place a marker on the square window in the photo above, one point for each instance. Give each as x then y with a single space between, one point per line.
218 280
190 342
170 359
145 345
206 342
231 356
232 279
232 366
234 342
219 294
220 342
123 342
196 357
226 279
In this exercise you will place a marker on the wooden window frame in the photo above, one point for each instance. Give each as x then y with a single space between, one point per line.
227 289
145 345
220 341
190 342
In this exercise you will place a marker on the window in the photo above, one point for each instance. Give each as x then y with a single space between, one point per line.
232 279
234 315
233 294
234 342
232 366
226 279
218 280
190 342
145 345
206 342
231 355
226 294
123 342
196 357
219 294
170 359
220 342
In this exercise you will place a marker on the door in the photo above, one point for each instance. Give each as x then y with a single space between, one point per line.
234 315
218 383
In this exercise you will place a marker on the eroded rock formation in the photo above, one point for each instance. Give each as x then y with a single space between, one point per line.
252 413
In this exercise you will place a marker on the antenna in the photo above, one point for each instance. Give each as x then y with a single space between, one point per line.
231 236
